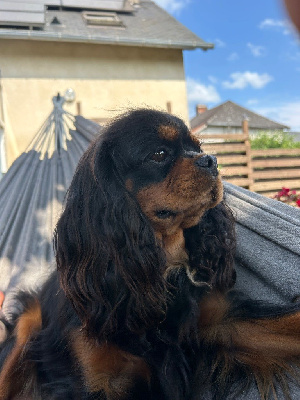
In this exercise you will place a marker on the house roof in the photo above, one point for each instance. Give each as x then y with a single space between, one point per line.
143 23
231 114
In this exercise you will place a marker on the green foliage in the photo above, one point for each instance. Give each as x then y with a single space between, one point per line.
276 140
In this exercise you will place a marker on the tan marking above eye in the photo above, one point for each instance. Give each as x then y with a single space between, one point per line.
195 139
168 132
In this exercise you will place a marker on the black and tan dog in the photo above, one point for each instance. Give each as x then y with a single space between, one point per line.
141 305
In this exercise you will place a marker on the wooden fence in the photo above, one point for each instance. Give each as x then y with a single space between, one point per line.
262 171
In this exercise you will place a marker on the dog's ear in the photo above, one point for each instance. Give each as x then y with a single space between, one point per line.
211 247
109 263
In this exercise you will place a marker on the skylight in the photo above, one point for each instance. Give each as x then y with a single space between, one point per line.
102 18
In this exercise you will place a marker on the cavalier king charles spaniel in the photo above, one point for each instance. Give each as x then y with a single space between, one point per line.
142 304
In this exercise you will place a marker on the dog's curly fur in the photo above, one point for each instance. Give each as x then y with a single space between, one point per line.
141 305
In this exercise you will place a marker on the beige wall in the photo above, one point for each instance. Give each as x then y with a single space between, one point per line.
107 80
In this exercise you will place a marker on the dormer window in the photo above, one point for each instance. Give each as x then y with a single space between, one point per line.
102 18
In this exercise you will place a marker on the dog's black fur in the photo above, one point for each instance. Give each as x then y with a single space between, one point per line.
141 305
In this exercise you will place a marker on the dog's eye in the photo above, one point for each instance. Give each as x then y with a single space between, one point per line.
160 155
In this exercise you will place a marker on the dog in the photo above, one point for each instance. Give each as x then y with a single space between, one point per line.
142 304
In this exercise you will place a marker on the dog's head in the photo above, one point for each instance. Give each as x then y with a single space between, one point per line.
136 189
172 179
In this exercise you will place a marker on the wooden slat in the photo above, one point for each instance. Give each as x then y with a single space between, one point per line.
240 170
276 185
270 194
277 173
238 181
280 162
218 148
275 152
237 137
232 160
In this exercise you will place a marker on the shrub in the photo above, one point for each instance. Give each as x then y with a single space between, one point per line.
288 196
276 140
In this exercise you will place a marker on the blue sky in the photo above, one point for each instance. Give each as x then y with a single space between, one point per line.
256 59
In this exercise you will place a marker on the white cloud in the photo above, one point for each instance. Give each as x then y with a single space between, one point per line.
172 6
219 43
241 80
200 93
257 51
287 114
280 25
268 22
233 57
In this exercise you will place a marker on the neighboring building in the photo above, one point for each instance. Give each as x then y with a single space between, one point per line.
228 118
115 55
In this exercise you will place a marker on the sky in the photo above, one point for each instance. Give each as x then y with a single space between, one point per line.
255 62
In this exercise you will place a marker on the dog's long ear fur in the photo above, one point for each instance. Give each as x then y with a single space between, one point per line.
109 263
211 246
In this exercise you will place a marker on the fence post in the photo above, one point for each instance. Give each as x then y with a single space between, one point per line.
245 127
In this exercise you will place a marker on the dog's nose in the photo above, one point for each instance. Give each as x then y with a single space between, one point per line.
209 163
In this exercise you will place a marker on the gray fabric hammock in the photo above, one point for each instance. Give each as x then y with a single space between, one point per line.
31 197
268 246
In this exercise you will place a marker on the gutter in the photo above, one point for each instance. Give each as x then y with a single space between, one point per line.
61 37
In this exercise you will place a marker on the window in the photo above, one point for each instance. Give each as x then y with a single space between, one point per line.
102 18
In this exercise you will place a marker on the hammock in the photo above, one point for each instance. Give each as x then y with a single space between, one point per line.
268 246
31 197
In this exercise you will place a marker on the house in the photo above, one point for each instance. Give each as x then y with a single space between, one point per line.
228 117
113 54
